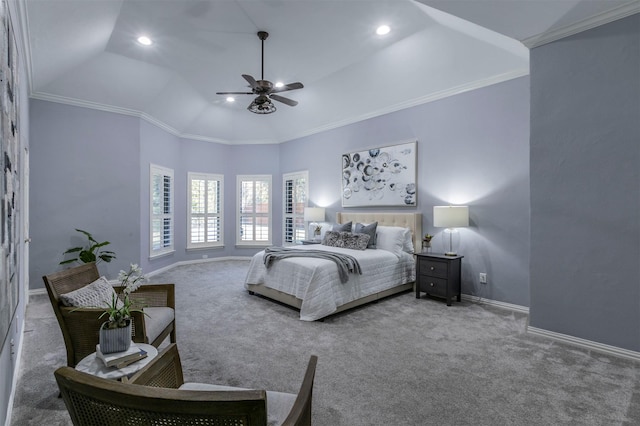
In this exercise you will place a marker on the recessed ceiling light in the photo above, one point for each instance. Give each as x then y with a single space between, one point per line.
383 30
145 41
279 84
231 99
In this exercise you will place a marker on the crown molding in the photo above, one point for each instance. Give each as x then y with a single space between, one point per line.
623 11
477 84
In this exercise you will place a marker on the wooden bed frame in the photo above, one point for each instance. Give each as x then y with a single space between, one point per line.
413 221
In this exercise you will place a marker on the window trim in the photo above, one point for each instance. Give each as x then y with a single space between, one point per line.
206 177
293 176
253 243
155 169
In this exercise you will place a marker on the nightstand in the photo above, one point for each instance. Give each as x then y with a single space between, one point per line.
306 242
438 275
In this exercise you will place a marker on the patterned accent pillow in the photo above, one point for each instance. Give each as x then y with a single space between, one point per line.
331 238
95 295
346 240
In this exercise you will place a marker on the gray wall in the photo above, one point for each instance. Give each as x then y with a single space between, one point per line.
85 172
585 185
473 149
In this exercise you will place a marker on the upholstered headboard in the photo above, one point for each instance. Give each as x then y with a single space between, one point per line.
413 221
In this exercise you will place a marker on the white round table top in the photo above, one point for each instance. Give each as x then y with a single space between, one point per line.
92 365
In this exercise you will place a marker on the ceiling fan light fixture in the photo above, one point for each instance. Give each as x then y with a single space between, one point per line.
231 99
279 84
262 106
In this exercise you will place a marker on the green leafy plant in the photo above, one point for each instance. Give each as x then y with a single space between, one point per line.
92 252
119 309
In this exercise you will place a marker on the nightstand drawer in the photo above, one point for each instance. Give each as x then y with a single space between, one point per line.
434 268
434 286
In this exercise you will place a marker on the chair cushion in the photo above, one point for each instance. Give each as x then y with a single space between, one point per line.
156 320
279 404
98 294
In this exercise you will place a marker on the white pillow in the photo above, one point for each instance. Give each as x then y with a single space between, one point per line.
98 294
408 241
392 238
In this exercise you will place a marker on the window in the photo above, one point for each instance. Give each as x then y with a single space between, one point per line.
254 210
204 213
295 190
161 211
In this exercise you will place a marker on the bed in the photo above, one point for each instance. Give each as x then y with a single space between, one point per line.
313 285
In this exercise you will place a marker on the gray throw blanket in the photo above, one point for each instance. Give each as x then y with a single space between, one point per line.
344 262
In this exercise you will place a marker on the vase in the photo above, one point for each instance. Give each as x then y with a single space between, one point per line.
115 339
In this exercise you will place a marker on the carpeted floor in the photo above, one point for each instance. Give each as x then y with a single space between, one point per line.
402 361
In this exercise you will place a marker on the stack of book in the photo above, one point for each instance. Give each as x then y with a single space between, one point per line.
121 359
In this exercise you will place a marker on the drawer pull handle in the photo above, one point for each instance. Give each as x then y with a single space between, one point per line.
432 284
432 268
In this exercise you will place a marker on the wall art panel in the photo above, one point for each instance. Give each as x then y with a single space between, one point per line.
384 176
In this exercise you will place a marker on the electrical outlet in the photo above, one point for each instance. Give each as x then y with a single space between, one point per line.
483 278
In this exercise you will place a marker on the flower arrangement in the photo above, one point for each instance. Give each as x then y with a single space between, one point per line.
317 229
426 243
119 310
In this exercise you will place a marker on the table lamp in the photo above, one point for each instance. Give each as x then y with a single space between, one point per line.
450 217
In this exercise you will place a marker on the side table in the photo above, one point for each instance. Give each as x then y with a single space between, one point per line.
92 365
438 275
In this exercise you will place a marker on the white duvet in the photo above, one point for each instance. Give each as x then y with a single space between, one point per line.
317 283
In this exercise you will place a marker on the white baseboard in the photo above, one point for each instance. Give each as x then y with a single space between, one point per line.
565 338
587 344
496 303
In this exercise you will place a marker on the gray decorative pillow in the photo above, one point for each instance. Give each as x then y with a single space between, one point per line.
95 295
346 240
354 241
370 230
331 238
345 227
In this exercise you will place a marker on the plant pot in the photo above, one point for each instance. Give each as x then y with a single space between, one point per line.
115 339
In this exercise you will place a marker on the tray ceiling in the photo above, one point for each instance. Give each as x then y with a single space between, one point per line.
84 53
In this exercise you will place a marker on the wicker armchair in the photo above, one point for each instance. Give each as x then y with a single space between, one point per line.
157 396
80 326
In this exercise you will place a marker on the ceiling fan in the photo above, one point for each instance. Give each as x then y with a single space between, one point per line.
265 89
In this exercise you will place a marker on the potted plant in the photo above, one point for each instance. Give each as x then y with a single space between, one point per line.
92 252
115 333
426 243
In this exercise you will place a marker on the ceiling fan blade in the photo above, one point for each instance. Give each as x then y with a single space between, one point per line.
234 93
284 100
252 81
290 86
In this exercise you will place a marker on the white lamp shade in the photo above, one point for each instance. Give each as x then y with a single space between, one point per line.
314 214
450 216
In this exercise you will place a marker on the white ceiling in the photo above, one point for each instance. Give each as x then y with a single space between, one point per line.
84 53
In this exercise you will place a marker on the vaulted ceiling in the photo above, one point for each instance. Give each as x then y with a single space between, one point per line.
85 53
